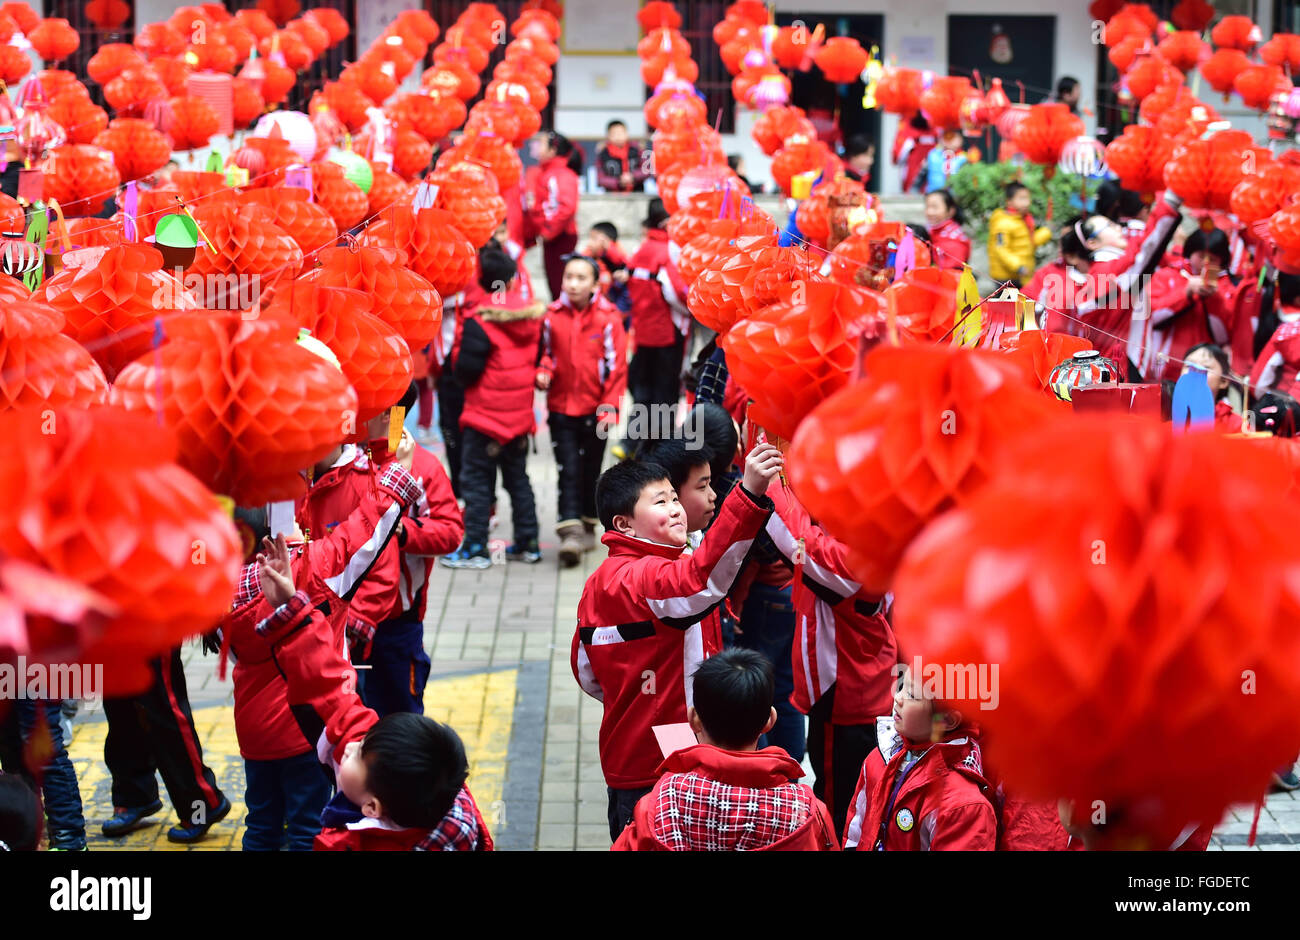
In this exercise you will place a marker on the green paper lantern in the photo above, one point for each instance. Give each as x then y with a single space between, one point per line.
356 168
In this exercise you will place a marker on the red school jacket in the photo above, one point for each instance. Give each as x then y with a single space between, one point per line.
951 245
1279 361
657 292
647 618
713 800
842 637
496 360
940 804
433 526
329 570
1179 322
554 208
584 352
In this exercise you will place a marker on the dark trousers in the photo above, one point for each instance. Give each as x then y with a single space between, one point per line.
654 375
579 452
622 805
425 401
399 668
155 731
767 626
553 252
836 753
32 746
284 799
451 402
481 457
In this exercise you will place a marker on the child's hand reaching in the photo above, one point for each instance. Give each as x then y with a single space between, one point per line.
761 467
406 450
274 571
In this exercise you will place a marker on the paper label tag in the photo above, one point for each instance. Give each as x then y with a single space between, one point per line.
396 418
674 737
280 518
425 195
299 177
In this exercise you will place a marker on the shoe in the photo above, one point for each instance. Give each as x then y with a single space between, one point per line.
1286 782
128 819
67 840
528 553
195 833
589 539
475 556
571 547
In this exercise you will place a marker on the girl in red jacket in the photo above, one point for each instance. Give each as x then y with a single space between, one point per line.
951 246
918 793
584 373
552 205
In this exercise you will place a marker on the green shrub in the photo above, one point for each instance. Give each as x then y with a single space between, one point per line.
978 189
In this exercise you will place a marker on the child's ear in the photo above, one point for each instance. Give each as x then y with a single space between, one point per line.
623 524
693 719
951 719
372 808
771 721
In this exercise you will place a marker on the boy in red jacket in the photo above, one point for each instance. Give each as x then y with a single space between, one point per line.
496 361
724 794
401 779
584 374
552 203
648 616
924 789
660 320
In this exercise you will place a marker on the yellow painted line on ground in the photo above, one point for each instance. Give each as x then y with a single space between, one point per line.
479 706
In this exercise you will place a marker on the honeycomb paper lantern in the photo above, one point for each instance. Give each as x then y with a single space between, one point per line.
799 157
39 366
155 39
1260 195
1142 628
349 103
435 247
249 406
1184 50
941 102
924 303
899 91
1259 83
341 198
54 39
841 59
107 14
729 288
1126 25
1193 15
80 117
1039 352
791 356
192 123
715 239
1204 172
306 222
246 251
777 125
174 73
110 307
673 101
401 298
123 521
691 220
256 22
469 193
246 103
1222 68
14 64
493 153
423 113
138 148
411 153
386 189
111 59
1148 73
925 429
814 214
79 178
279 81
1123 55
1282 50
333 22
1138 158
1236 32
1043 134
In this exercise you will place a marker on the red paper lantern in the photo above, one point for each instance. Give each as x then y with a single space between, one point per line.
532 18
250 407
122 521
111 59
662 42
1038 352
386 189
1260 195
1122 55
107 14
670 102
1189 117
374 357
341 198
1236 32
1259 83
1204 172
1149 73
453 79
278 82
430 239
238 38
427 114
110 307
470 194
726 291
79 178
777 125
791 356
1138 158
799 157
22 14
334 23
14 64
255 21
39 366
715 239
1192 15
1136 593
174 73
411 152
1044 132
1184 50
701 209
1126 25
493 153
80 117
133 90
348 103
155 39
841 59
495 118
280 11
929 425
54 39
899 91
313 34
306 222
137 147
1284 228
469 56
790 45
813 217
658 14
248 254
13 218
941 102
1282 50
420 23
192 124
657 68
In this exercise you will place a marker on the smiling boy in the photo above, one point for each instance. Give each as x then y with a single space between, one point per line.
648 614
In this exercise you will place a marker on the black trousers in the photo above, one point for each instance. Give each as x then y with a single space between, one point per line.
155 731
654 375
451 402
579 451
622 807
836 753
481 456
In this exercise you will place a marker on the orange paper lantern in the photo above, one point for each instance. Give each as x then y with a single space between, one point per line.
39 366
137 147
435 247
79 178
54 39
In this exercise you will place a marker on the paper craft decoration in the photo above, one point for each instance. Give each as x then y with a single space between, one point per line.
1193 406
177 240
673 738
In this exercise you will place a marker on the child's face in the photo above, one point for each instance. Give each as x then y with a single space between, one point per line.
953 140
1214 376
597 241
579 283
617 135
657 517
1109 235
1021 201
697 497
913 713
936 210
351 778
500 235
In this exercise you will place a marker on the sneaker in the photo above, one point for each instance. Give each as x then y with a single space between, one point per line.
1286 782
528 553
128 819
475 556
195 833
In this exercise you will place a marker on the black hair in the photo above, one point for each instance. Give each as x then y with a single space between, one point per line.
20 815
590 262
733 694
857 144
1285 290
733 162
613 124
608 229
257 521
1009 191
919 232
495 267
1277 413
919 122
410 397
1071 243
678 455
1221 357
1214 242
950 203
619 488
1065 85
720 438
1117 203
415 767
